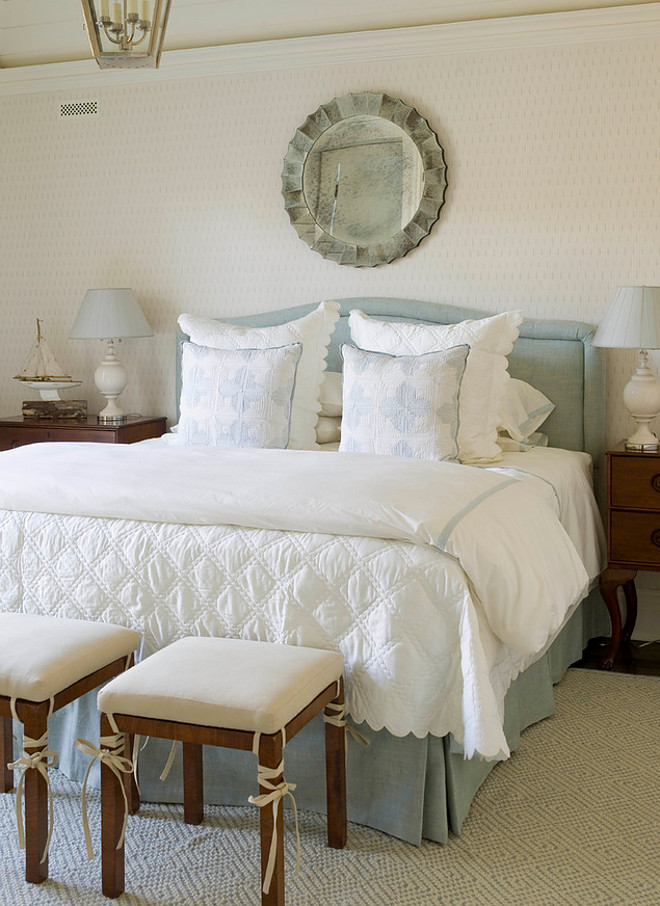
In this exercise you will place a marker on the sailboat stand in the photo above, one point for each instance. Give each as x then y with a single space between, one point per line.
41 372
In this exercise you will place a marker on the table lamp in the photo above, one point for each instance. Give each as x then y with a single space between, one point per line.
632 321
110 315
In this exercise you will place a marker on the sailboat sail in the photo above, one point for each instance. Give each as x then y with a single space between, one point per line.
40 364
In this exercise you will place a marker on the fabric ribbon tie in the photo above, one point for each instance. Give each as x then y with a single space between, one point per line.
277 793
339 720
170 761
37 761
108 753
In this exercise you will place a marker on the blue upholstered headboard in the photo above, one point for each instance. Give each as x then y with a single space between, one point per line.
557 357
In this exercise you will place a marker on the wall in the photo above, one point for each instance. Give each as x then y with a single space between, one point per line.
174 189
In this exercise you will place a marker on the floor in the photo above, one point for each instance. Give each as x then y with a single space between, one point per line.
634 657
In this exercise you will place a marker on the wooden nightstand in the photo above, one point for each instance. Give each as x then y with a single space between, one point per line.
17 431
633 535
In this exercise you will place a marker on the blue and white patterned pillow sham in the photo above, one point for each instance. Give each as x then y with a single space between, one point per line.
402 405
237 397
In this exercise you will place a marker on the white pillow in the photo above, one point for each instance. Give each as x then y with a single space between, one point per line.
237 397
486 376
328 430
330 394
524 409
313 331
402 405
495 334
509 445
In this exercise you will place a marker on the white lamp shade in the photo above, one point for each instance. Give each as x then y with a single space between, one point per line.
110 314
632 319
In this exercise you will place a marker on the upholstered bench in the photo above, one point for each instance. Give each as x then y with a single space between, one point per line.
45 663
236 694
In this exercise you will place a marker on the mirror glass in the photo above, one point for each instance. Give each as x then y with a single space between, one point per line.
364 179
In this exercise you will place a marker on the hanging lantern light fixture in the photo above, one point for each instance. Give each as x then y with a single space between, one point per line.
126 34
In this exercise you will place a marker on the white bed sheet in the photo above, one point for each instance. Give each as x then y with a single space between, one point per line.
565 479
402 614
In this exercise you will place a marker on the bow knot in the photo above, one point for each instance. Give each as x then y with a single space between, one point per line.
40 761
277 791
108 753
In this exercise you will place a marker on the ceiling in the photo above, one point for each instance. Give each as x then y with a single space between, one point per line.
52 31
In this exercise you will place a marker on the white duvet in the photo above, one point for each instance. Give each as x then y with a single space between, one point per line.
423 574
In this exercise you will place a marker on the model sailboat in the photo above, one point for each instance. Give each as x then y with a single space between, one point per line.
41 372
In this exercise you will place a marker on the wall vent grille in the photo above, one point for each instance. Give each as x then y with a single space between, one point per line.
79 108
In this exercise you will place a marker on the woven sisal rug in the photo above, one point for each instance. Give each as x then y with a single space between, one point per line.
573 819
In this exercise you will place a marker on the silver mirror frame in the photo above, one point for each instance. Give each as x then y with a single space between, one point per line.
433 162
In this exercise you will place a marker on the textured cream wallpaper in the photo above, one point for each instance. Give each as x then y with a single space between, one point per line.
174 189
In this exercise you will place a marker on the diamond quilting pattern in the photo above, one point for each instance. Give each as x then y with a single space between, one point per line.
400 614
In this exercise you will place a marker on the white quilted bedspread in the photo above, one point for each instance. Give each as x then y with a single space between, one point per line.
412 627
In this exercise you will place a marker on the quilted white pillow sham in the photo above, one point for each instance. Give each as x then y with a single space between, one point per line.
402 405
237 397
484 383
313 331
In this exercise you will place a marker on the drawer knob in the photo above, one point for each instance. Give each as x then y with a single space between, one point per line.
655 483
655 537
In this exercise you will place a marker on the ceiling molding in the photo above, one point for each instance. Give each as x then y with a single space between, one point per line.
545 30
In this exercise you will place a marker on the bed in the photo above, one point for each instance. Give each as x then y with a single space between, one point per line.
423 707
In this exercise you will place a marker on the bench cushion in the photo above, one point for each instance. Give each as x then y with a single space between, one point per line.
227 683
40 656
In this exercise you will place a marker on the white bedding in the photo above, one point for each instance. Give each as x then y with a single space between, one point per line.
564 478
174 541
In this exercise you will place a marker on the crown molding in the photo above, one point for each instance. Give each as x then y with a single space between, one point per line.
516 32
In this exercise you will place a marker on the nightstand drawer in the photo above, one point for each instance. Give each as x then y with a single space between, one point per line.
635 482
10 439
635 538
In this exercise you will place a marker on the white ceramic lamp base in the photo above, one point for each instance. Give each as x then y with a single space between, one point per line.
642 399
110 378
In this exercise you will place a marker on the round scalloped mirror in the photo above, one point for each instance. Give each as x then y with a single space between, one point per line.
364 179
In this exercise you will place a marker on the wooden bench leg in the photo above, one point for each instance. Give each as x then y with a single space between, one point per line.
270 756
6 753
193 783
335 778
35 724
112 819
132 792
130 784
